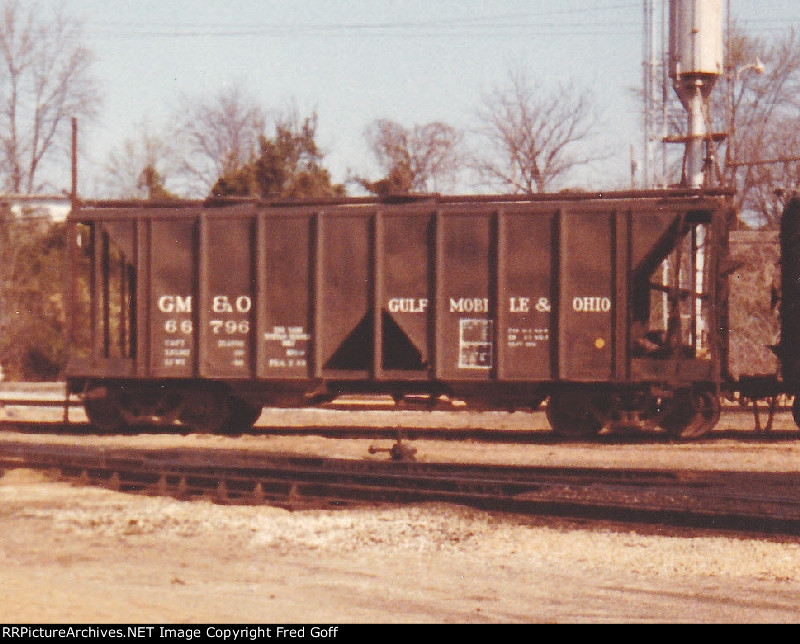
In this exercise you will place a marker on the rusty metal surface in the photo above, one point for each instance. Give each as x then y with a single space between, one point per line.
462 291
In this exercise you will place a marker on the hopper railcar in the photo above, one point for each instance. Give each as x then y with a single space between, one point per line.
611 307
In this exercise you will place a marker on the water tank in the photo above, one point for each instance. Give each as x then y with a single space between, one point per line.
695 38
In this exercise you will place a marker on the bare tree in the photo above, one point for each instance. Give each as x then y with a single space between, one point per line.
140 167
529 134
762 114
220 135
770 174
423 158
44 81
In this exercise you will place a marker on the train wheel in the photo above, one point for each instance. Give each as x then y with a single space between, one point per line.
693 415
104 412
575 413
205 410
242 415
796 410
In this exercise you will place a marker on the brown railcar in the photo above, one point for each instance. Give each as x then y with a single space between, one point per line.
611 307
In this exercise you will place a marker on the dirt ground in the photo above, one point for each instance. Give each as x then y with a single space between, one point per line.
87 555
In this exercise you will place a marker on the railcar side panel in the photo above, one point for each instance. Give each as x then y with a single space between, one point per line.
789 347
403 294
343 327
587 297
526 294
464 314
116 290
172 301
285 296
227 296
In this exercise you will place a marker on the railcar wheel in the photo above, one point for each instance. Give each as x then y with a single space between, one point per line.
796 410
693 414
576 413
104 412
241 416
205 410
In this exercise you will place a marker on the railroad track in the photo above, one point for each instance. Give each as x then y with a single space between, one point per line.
757 502
537 434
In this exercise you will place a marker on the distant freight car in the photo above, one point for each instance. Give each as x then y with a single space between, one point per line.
611 307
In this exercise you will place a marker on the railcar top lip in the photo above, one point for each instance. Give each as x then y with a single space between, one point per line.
421 198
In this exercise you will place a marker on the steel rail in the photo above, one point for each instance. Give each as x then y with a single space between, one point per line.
401 434
764 503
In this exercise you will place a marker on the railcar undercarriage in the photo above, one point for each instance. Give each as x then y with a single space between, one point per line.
572 410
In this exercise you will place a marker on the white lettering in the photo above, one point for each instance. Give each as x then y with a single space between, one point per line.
176 352
519 304
230 343
408 305
221 304
591 304
280 334
243 304
183 305
469 305
173 326
175 304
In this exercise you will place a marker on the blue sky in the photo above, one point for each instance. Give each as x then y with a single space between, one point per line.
413 61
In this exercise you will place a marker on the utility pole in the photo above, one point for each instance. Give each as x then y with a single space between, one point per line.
645 95
650 78
665 93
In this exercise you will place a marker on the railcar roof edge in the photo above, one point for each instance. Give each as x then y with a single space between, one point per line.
432 198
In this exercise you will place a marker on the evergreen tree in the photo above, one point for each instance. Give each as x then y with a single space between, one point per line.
288 166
